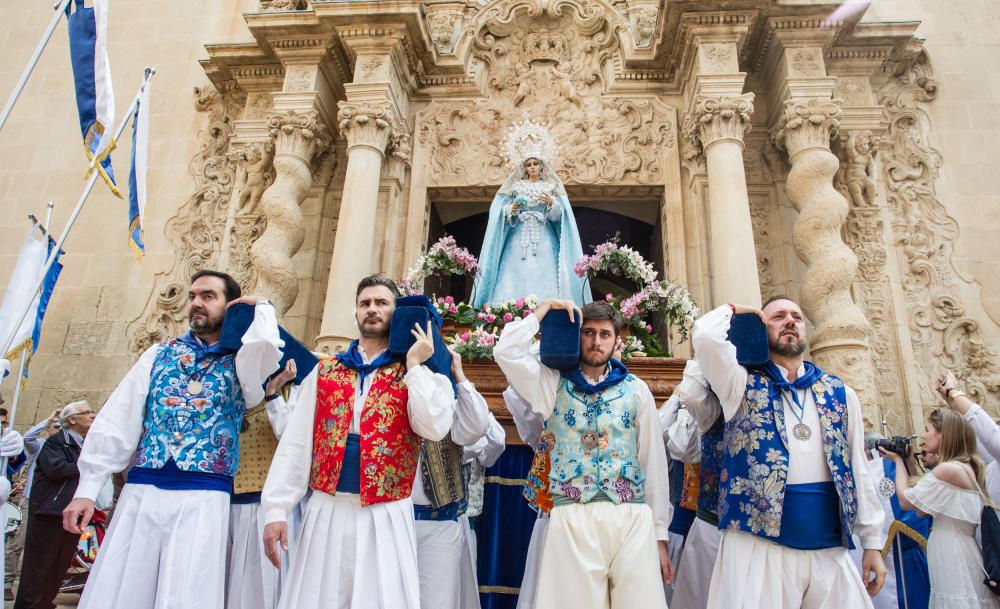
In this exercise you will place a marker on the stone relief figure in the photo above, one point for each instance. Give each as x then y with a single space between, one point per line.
860 169
531 243
258 168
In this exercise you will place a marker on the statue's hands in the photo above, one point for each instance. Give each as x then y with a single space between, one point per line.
545 198
515 208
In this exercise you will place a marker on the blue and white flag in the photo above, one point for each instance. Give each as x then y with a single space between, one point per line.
30 262
95 98
137 175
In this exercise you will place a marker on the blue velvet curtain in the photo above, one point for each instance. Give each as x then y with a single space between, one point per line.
503 529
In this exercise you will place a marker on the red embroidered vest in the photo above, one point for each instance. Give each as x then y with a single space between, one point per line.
389 447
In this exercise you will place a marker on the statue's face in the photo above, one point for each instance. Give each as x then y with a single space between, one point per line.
533 168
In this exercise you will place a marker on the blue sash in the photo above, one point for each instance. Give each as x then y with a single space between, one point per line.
350 470
244 498
172 478
810 517
681 523
441 514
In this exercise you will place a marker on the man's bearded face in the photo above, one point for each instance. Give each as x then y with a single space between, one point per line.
206 304
786 328
373 311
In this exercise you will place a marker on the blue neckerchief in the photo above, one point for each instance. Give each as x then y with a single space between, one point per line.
780 384
353 360
616 374
201 349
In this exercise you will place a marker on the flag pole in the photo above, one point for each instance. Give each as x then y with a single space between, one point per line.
94 175
58 9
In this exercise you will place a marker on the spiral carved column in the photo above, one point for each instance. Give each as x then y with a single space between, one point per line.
297 136
839 343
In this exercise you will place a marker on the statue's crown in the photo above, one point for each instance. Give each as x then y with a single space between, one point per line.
545 45
529 140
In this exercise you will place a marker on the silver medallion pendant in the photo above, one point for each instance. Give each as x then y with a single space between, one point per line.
194 387
589 439
801 431
887 488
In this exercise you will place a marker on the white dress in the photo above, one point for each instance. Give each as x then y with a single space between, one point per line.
953 556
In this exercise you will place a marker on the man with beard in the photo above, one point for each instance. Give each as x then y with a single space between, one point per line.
794 483
175 419
607 534
354 438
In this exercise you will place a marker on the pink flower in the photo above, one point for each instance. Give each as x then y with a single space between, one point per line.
491 318
440 300
519 304
649 328
527 313
480 315
453 309
449 300
508 317
609 297
465 337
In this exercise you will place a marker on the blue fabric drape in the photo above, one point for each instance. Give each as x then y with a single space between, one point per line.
503 529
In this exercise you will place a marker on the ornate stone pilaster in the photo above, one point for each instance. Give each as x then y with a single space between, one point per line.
716 125
297 137
840 340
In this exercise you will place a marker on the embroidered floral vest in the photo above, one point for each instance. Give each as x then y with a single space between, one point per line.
689 491
595 448
200 432
755 459
389 447
711 466
536 487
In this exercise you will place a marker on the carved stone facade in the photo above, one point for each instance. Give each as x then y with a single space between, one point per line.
868 233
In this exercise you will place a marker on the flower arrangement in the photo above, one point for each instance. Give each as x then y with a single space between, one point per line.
445 257
668 299
610 257
477 343
631 346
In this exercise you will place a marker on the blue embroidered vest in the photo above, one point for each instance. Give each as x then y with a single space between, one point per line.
711 467
201 433
596 444
755 459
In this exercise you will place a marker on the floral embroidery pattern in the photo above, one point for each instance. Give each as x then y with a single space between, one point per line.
199 432
389 447
755 462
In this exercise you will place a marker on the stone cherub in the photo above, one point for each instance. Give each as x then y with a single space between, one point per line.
258 168
860 169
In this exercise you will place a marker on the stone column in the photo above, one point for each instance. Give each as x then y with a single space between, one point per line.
367 127
839 342
297 137
718 124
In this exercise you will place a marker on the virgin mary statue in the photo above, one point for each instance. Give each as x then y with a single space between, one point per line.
531 243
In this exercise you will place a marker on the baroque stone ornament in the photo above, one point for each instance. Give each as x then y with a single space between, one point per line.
283 5
712 119
366 124
196 228
297 137
840 339
444 27
943 332
552 61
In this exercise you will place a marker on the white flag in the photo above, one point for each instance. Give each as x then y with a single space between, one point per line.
29 265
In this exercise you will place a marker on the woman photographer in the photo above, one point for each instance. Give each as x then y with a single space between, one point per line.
953 493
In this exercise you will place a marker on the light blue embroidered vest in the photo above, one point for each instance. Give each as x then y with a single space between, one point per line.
596 445
755 460
200 432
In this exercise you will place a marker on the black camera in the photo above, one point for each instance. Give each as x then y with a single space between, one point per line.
896 444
